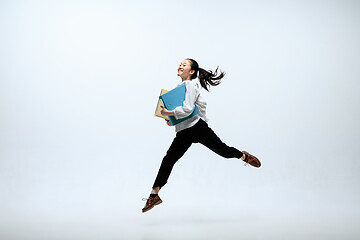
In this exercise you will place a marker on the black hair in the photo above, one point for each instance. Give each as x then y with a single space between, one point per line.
206 78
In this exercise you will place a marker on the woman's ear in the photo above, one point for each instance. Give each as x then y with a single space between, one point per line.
192 72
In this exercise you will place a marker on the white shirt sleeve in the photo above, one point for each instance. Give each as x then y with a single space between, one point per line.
189 103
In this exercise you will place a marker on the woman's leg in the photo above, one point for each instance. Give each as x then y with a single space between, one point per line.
155 190
208 138
178 147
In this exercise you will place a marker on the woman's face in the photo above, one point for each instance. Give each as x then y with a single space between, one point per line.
184 70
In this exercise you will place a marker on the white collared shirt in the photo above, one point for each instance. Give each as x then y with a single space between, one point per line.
192 98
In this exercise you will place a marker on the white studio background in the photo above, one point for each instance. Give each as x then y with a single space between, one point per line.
80 147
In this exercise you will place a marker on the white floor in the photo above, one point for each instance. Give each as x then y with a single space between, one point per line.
197 229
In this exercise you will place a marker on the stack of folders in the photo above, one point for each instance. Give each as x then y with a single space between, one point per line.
171 100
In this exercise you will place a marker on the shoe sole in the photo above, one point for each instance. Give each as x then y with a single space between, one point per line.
157 203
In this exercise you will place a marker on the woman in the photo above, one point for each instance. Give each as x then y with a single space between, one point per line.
194 129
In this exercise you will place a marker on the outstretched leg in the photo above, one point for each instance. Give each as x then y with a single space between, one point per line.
208 138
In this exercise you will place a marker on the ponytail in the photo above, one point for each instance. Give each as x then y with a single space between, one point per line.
206 78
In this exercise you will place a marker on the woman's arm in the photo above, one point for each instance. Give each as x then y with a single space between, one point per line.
166 112
189 103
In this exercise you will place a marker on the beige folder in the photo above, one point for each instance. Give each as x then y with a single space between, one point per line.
159 104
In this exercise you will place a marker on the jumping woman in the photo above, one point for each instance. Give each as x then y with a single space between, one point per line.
194 129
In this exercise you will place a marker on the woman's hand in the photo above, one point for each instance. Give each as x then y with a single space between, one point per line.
168 122
166 112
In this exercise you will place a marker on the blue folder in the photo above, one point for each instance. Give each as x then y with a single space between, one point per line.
175 98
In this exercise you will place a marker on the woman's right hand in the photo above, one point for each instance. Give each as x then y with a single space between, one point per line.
168 122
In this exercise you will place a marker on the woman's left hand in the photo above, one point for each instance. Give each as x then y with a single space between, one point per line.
168 122
166 112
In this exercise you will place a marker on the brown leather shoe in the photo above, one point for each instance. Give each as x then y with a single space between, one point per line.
151 202
252 160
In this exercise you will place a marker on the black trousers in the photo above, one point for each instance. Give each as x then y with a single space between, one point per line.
199 133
